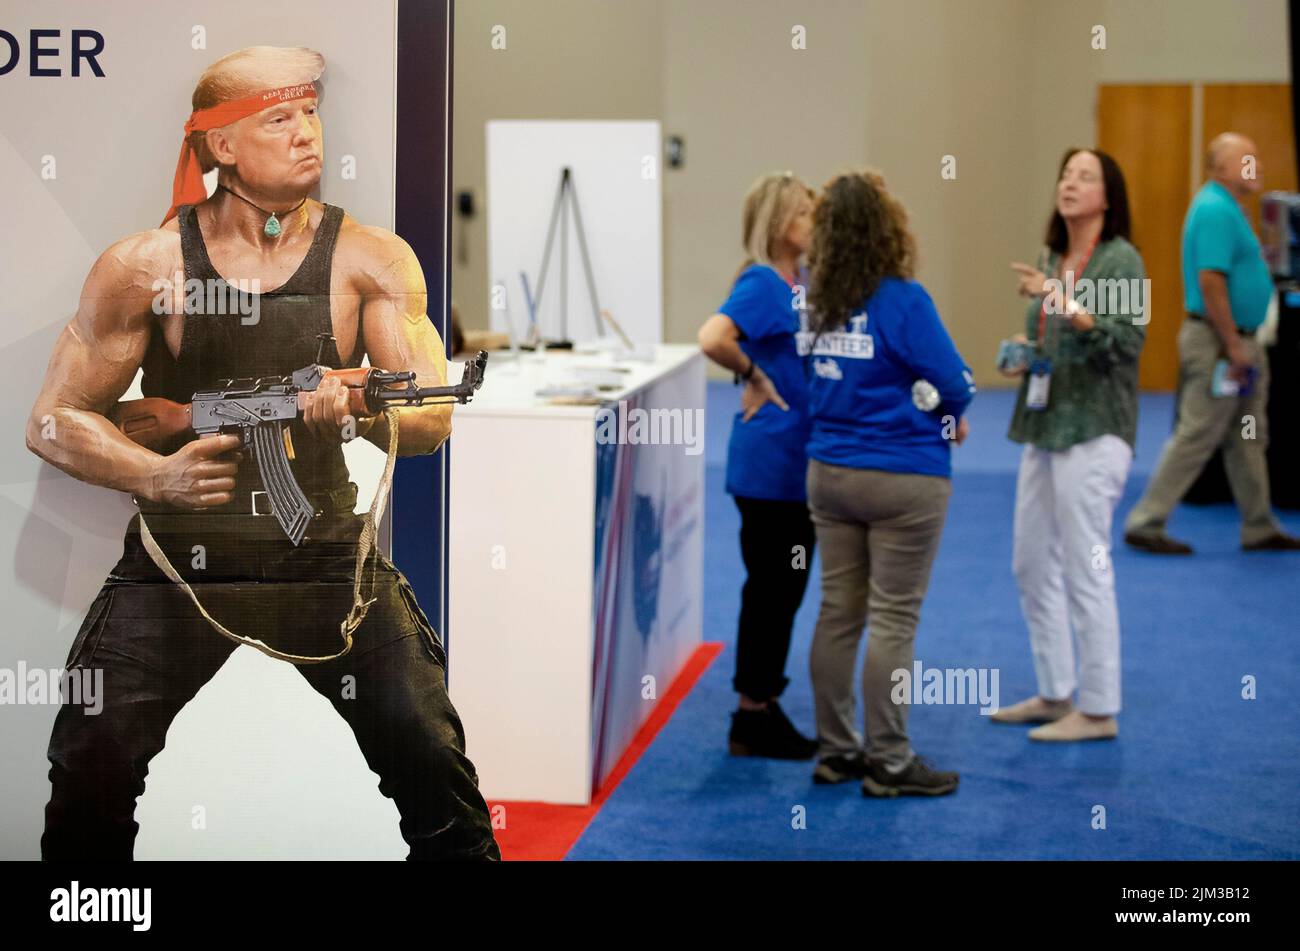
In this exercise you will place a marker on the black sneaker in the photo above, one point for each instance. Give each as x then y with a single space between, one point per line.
840 769
768 732
917 779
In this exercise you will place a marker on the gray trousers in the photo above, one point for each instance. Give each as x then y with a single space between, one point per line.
1237 424
878 533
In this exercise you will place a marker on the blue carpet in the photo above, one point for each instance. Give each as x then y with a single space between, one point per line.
1197 773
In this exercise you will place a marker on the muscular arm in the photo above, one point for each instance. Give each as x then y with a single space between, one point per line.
398 335
94 361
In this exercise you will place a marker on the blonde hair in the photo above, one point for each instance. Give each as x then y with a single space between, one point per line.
770 206
245 72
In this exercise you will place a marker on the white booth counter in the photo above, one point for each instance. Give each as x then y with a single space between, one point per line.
575 561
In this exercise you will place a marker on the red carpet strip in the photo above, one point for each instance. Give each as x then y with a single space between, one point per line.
542 832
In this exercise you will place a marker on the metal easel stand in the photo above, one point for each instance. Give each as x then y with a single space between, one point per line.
566 199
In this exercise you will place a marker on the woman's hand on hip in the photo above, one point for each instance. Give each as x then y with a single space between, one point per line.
757 392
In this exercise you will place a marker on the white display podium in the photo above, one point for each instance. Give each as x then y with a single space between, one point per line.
575 574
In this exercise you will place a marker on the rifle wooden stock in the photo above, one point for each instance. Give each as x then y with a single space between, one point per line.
151 422
351 376
356 401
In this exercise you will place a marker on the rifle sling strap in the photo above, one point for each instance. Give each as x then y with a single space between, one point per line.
365 544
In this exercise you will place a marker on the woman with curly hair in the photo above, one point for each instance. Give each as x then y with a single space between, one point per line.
753 335
886 393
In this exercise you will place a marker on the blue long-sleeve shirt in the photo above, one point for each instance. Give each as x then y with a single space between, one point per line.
861 378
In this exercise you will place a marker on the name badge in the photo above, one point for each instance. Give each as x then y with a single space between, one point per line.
1040 384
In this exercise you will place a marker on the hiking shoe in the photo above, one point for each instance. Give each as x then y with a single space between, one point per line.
839 769
768 732
1157 543
918 778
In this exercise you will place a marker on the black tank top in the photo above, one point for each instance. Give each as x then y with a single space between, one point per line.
228 344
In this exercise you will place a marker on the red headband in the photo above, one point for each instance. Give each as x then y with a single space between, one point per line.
187 187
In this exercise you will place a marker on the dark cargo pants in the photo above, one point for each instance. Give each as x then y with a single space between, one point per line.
156 652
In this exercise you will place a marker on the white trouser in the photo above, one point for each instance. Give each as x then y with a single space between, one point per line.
1062 562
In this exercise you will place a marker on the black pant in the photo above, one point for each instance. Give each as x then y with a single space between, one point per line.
156 652
776 541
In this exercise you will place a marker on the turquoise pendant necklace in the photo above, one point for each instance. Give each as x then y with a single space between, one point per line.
272 227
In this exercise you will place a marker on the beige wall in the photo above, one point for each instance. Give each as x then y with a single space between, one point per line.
948 79
563 59
1189 40
1004 86
747 103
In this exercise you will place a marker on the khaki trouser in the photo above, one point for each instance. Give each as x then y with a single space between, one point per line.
1237 424
878 532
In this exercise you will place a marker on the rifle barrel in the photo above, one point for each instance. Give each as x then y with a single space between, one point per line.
426 392
414 394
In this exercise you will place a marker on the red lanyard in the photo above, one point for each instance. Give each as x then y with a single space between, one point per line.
1042 311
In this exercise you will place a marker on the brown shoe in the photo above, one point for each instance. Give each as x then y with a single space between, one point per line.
1277 542
1158 543
1033 710
1074 727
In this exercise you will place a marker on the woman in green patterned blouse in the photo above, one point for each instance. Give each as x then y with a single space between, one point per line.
1076 413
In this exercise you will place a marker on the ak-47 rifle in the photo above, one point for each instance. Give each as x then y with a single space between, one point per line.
260 411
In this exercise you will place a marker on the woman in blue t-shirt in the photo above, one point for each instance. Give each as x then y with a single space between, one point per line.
886 394
753 335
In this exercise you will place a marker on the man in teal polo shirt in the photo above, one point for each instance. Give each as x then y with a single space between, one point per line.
1226 290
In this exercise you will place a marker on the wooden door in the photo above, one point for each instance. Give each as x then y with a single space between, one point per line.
1148 130
1159 135
1261 112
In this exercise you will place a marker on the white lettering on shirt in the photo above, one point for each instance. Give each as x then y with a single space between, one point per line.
854 343
828 370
